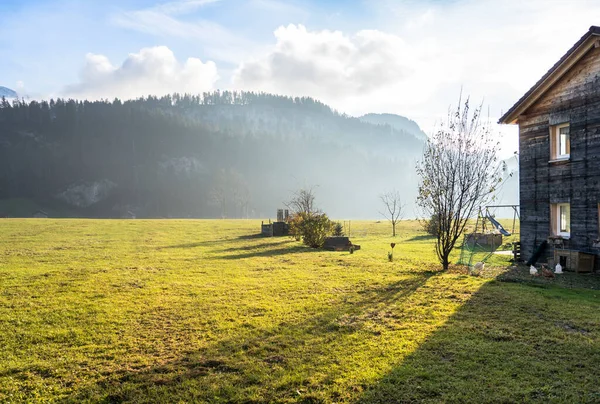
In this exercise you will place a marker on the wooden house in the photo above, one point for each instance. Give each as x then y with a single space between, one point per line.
559 157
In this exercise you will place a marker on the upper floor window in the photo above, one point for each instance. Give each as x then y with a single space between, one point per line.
560 142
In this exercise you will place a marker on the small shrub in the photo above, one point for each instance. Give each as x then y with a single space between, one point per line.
431 225
295 226
338 229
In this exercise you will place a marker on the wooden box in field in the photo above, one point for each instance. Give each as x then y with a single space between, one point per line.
339 244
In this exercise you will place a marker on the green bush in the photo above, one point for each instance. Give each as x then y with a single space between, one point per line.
338 229
431 225
295 226
312 228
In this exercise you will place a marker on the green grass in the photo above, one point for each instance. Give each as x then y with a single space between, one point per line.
204 311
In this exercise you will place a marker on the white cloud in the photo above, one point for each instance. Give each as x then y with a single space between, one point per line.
326 63
151 71
357 73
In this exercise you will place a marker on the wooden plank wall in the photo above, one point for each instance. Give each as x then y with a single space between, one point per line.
576 98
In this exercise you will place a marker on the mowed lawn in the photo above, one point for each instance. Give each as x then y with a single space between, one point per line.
205 311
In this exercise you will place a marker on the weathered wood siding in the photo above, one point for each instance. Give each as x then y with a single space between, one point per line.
574 99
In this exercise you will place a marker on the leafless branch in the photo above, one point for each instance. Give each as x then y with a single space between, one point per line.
458 173
393 208
303 201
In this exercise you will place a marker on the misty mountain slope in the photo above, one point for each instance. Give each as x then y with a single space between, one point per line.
309 121
397 122
212 155
7 92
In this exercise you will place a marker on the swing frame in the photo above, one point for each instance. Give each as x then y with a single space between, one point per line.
484 217
469 238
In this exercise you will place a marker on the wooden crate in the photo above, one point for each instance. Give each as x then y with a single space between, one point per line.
572 260
586 262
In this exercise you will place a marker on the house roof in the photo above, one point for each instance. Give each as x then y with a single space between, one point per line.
553 75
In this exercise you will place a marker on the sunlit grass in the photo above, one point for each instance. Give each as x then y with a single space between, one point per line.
166 310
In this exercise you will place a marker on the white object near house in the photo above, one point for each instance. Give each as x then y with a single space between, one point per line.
533 270
558 269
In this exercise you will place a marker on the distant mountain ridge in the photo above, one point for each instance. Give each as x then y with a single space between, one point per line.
397 122
219 154
8 93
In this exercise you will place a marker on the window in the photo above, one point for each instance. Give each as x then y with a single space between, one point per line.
560 142
561 219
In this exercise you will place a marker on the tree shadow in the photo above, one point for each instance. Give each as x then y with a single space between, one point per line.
423 237
510 342
263 251
267 243
270 364
191 245
250 237
216 242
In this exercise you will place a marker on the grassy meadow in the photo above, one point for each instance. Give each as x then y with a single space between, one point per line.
205 311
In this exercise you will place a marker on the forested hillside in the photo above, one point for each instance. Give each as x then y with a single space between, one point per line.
397 122
218 154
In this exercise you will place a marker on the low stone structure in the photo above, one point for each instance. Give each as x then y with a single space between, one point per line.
339 244
276 229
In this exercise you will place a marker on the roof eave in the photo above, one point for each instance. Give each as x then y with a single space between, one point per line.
552 76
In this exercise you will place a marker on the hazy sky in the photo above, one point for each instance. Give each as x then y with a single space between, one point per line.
406 57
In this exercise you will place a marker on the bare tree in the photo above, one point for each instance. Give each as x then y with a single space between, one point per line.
393 208
230 190
459 173
242 198
218 197
303 201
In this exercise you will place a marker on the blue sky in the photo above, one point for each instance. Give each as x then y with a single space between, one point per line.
45 41
406 57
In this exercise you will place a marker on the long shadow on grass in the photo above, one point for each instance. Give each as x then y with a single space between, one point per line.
271 364
250 237
423 237
262 251
210 243
266 243
192 245
526 342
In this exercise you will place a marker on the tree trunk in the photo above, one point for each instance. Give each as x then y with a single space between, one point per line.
393 229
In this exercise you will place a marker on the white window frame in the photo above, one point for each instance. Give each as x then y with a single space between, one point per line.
557 220
555 142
